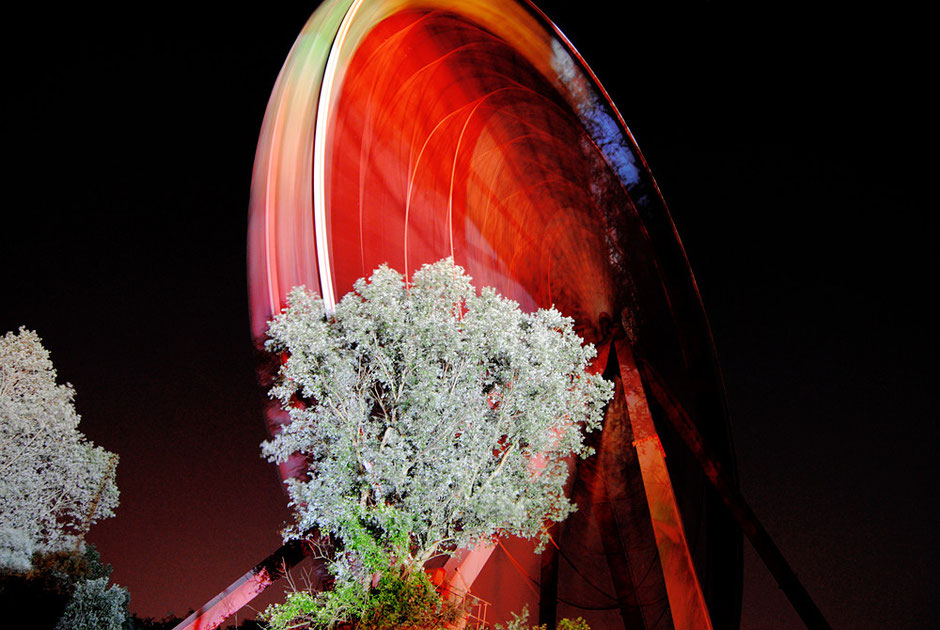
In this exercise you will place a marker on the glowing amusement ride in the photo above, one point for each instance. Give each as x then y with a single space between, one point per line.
405 131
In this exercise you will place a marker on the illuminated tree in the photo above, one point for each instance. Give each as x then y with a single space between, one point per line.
432 417
65 590
54 484
95 606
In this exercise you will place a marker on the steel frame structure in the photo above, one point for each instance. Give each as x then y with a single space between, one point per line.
404 131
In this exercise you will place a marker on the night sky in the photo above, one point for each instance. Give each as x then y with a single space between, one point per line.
788 142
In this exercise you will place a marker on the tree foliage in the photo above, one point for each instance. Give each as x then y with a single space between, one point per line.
397 600
53 482
432 416
520 621
95 606
66 589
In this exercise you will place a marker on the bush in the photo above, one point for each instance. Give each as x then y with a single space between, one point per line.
64 590
520 621
95 606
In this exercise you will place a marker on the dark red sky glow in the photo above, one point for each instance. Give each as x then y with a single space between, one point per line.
785 146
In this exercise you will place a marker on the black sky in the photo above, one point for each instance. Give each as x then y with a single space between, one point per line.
789 142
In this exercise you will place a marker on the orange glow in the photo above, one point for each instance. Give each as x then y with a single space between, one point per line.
685 593
404 131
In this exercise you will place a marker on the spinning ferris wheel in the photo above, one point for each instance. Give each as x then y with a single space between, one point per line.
406 131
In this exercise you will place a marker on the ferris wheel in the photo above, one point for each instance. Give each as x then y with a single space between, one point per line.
406 131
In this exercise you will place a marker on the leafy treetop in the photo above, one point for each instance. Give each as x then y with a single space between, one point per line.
429 409
53 482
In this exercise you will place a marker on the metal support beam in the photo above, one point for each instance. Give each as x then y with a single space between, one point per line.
787 580
214 612
686 601
548 583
